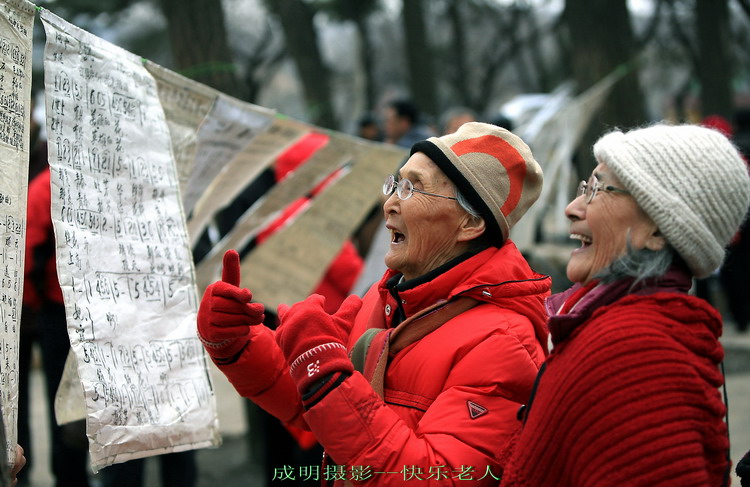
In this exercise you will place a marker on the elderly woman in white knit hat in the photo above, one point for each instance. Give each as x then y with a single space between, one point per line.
423 377
629 395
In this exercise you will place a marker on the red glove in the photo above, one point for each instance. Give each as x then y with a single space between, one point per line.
226 314
313 341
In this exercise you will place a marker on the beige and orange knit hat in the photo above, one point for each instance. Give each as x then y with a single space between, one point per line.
493 168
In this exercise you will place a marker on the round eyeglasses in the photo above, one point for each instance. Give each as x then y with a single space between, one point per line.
592 186
405 189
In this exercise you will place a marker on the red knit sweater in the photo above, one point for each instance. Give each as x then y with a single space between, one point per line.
629 398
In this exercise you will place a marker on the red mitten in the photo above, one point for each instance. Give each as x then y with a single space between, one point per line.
313 341
226 313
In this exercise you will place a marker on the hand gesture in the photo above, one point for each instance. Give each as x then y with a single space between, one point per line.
226 314
313 341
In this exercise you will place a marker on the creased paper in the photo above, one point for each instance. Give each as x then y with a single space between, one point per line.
288 266
123 261
243 169
69 401
322 163
227 129
16 33
186 103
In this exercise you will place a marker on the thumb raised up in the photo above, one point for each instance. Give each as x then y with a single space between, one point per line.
230 271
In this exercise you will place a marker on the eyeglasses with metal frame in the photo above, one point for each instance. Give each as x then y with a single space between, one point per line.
592 186
405 189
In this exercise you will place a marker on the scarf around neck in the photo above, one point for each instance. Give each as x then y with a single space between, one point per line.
568 309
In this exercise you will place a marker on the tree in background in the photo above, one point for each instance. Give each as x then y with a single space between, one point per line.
602 40
443 53
715 67
261 53
200 50
296 18
494 50
195 31
358 12
707 40
457 75
419 57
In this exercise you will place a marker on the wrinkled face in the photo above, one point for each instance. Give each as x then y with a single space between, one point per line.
604 226
426 231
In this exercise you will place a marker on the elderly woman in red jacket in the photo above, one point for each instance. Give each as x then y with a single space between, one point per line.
629 395
447 343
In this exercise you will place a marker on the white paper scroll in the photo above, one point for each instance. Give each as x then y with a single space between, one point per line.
16 32
227 129
123 261
186 104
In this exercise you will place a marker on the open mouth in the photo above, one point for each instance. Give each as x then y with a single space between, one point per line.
585 241
397 237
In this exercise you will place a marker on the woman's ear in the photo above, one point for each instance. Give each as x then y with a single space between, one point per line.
656 241
471 228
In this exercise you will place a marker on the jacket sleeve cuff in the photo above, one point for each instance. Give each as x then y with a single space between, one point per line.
321 390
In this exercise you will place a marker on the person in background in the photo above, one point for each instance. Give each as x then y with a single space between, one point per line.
68 443
175 470
30 306
501 120
629 395
446 345
368 128
454 117
402 124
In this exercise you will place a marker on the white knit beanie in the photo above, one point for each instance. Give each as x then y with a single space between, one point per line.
690 180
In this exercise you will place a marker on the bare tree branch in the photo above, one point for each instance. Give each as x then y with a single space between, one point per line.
503 56
684 39
262 60
652 27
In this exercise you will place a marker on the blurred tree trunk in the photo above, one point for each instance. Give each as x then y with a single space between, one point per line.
358 12
543 82
602 40
296 17
715 68
199 44
458 73
419 58
367 55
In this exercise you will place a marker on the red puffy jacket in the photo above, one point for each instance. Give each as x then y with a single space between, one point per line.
451 399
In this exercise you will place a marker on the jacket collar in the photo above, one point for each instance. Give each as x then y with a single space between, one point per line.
415 294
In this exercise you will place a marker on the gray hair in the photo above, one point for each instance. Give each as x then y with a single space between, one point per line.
640 264
463 202
482 241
